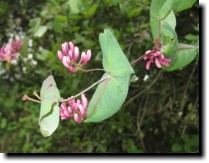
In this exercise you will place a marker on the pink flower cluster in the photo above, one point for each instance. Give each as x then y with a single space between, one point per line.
76 109
157 57
70 54
9 52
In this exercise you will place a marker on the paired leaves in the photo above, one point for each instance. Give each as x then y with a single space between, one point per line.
163 20
111 93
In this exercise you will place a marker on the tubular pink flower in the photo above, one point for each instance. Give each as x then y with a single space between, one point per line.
82 110
76 118
83 59
76 54
71 46
68 60
71 69
64 106
156 56
69 55
64 61
84 101
59 54
148 64
15 45
157 63
88 55
65 48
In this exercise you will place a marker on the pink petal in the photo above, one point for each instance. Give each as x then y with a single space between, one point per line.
65 48
82 110
67 114
167 60
71 69
69 109
83 59
76 54
60 55
68 60
145 57
84 101
64 106
148 64
71 46
157 63
148 51
63 118
71 102
76 118
70 54
88 55
64 61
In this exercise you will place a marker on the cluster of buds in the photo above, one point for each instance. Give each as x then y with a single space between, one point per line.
69 56
10 51
75 109
157 57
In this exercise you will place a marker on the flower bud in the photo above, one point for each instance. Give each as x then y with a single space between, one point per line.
76 54
60 55
76 118
65 48
84 101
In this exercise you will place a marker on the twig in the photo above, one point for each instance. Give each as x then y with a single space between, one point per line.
145 89
141 57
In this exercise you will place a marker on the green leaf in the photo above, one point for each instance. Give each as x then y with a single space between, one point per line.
24 48
49 113
176 147
161 10
180 5
165 9
111 93
114 60
170 19
75 6
182 58
170 39
40 32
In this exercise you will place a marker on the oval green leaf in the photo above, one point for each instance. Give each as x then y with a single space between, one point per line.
112 92
49 113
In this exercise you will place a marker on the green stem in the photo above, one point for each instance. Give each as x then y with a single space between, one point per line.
95 69
87 89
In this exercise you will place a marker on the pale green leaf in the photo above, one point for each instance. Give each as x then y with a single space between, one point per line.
49 112
165 9
182 58
40 32
114 60
180 5
111 93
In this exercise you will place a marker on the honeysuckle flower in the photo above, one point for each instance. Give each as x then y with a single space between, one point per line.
156 57
15 45
76 109
10 51
5 54
69 56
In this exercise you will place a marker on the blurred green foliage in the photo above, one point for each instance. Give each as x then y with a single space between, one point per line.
160 115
